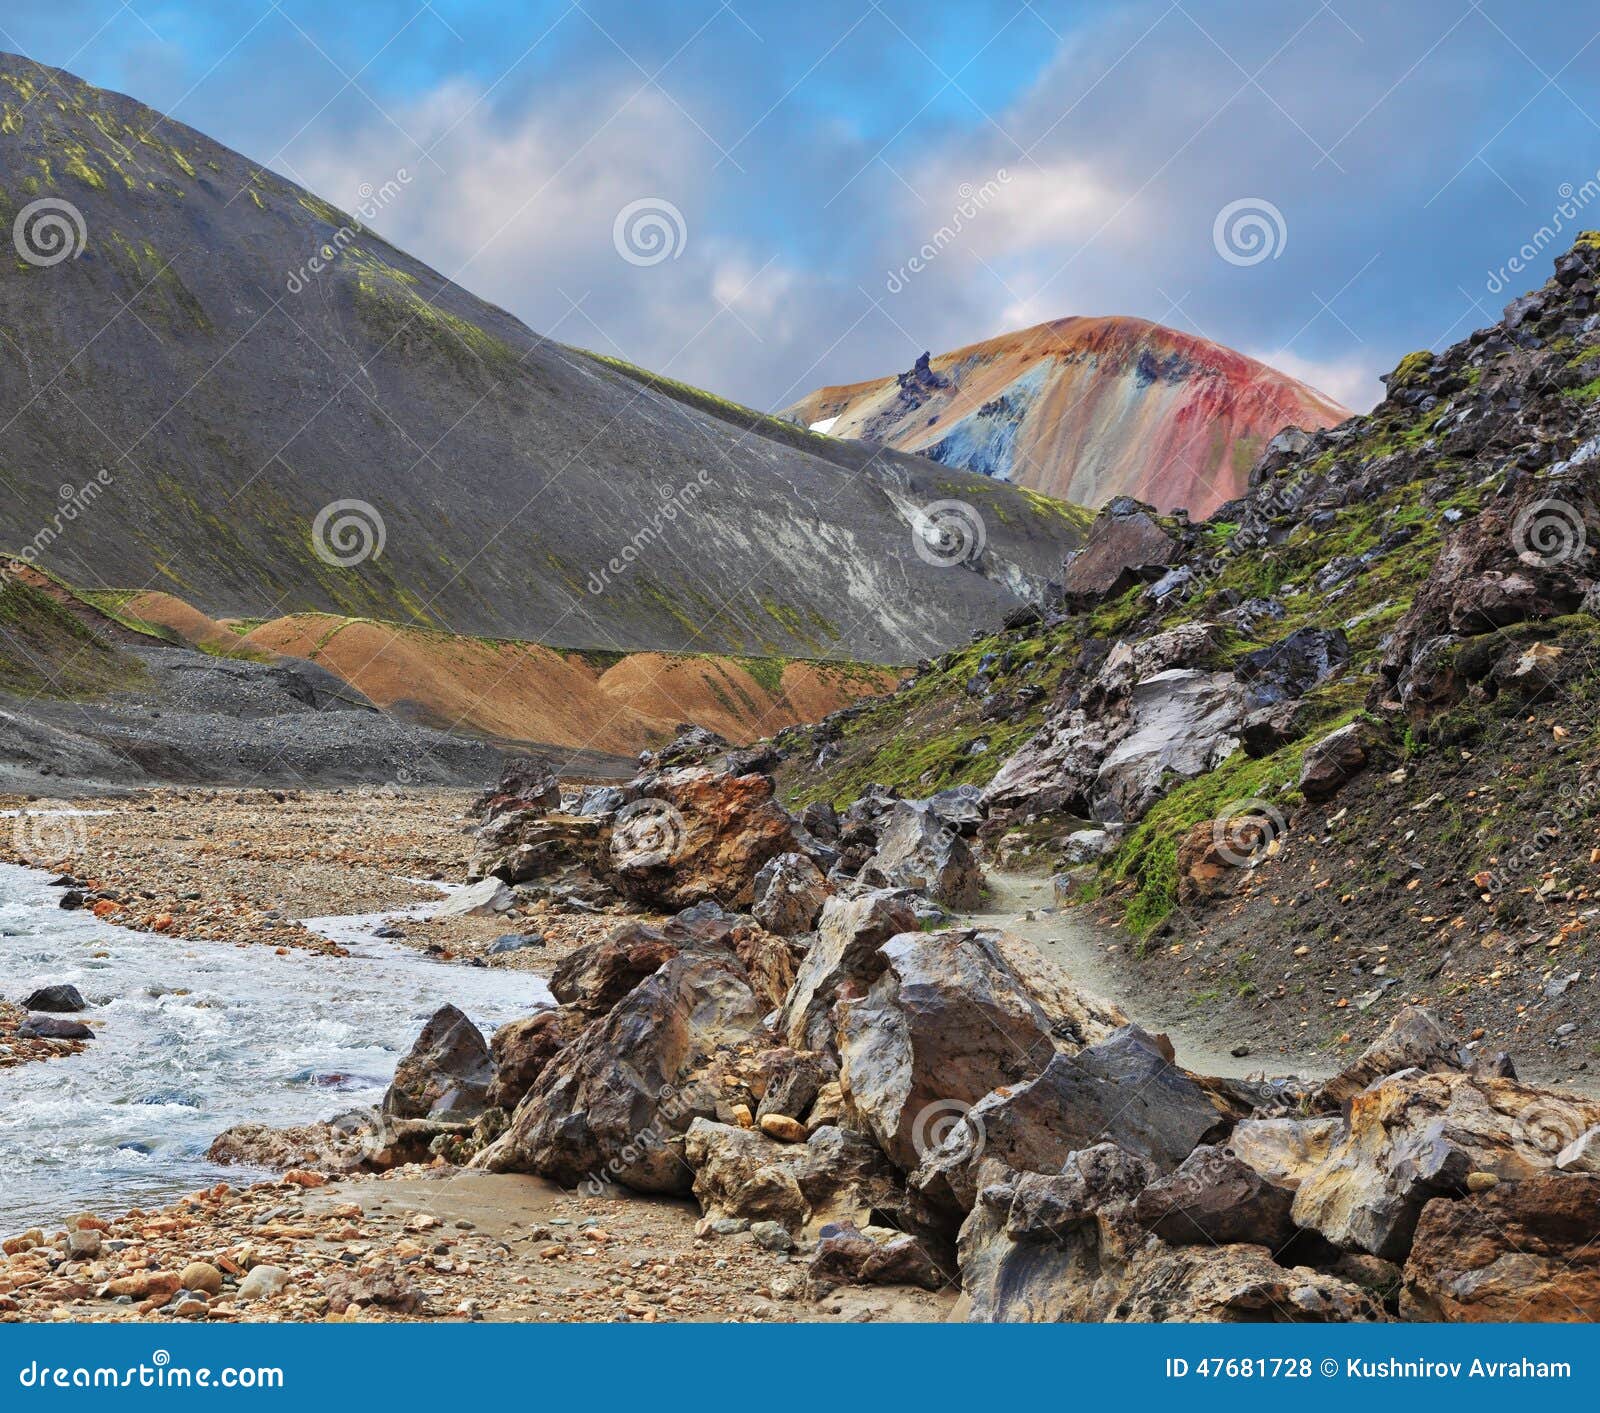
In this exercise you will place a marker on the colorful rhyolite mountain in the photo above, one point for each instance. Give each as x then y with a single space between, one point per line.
1084 409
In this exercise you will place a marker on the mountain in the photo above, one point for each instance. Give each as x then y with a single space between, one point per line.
1335 752
1085 410
215 384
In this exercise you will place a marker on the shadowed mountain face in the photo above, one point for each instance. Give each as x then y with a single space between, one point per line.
1085 409
223 382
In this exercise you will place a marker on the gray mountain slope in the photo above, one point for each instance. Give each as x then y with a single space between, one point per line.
508 470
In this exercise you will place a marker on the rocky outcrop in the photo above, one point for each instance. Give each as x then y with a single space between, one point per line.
1183 723
614 1105
1340 756
526 783
1127 545
1416 1136
850 932
1519 1252
521 1049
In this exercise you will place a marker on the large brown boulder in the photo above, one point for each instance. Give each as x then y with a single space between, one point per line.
1523 1251
522 1048
1213 1196
615 1103
1415 1136
526 783
446 1076
695 834
1329 764
520 845
1126 545
593 978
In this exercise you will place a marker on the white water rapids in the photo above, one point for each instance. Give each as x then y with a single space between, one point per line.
196 1037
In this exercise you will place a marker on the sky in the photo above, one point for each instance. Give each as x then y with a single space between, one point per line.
761 198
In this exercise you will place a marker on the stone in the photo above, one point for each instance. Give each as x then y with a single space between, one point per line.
946 1023
1288 669
845 1255
1414 1136
850 932
1525 1251
1182 723
789 893
53 1028
514 942
526 782
1215 1197
447 1074
1284 1150
385 1286
771 1236
1121 550
1123 1090
521 1049
593 978
1329 764
485 898
262 1283
615 1104
1413 1039
916 851
1582 1155
199 1275
1087 845
60 1000
84 1244
782 1127
794 1079
695 834
836 1175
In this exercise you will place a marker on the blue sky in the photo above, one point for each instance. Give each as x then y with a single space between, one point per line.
1399 157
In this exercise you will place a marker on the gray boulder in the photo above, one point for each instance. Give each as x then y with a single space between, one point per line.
849 933
447 1074
917 850
1183 723
789 893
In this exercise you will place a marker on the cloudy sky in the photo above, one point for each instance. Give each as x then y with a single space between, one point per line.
779 167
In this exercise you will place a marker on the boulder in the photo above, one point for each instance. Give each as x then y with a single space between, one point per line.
1582 1155
771 962
1413 1039
447 1074
1268 729
1183 723
946 1023
850 931
1524 1251
917 851
521 1049
1087 845
1213 1196
789 893
53 1028
834 1176
1415 1136
1291 667
696 834
593 978
1123 1090
526 782
1329 764
1284 1150
486 898
523 845
60 1000
846 1255
615 1103
959 808
1215 854
1126 544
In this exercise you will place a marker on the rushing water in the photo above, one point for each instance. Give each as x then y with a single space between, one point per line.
196 1037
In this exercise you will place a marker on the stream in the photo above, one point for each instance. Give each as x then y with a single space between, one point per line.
196 1037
